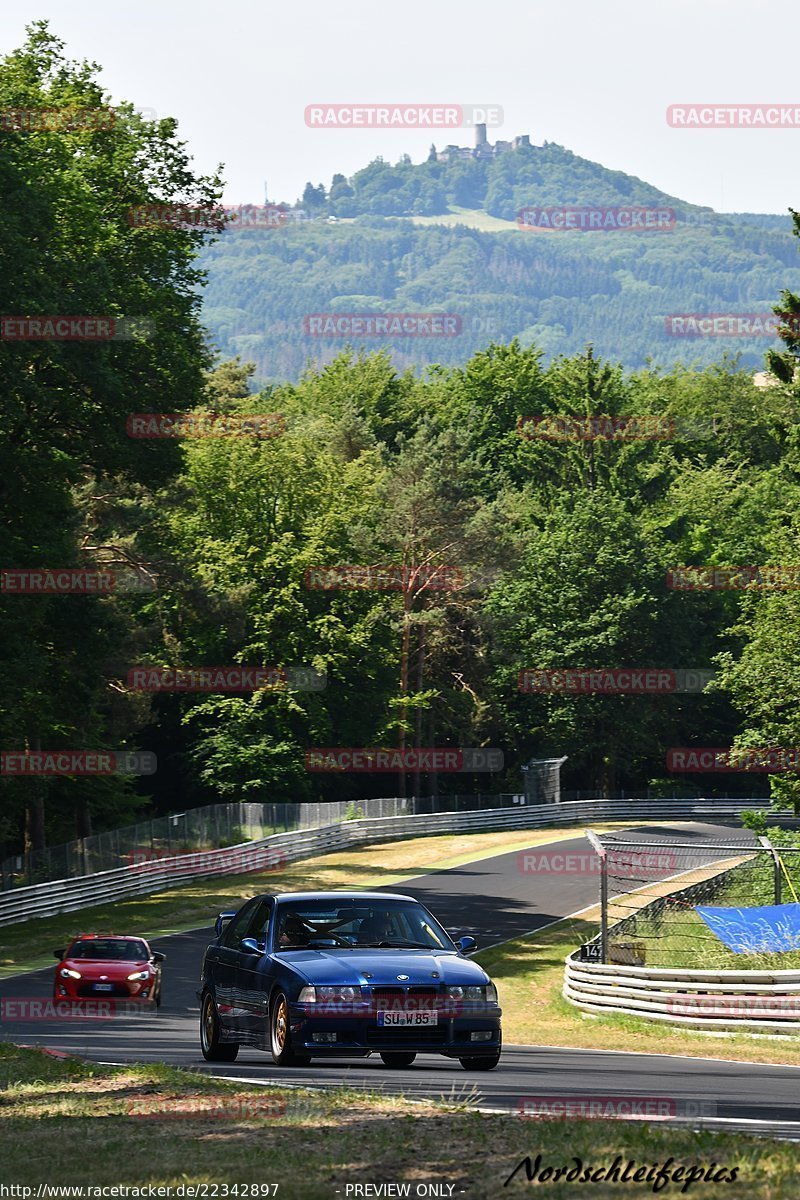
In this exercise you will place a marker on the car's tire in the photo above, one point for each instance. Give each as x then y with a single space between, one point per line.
157 997
279 1036
397 1058
484 1062
213 1049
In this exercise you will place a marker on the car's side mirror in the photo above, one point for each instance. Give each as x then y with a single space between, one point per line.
251 946
59 953
466 943
158 957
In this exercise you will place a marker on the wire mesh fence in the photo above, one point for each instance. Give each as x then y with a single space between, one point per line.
211 828
650 890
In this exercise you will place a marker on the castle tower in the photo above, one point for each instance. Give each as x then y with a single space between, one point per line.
480 135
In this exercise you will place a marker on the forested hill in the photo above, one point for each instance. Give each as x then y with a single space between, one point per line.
444 237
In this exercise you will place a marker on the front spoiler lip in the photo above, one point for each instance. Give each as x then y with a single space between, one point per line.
464 1050
353 1028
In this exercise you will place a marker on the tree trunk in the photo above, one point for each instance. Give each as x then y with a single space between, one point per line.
404 654
34 818
416 787
83 818
34 808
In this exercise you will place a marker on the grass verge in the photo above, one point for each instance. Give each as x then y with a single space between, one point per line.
66 1122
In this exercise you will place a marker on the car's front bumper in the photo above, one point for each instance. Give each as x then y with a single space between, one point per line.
85 989
356 1035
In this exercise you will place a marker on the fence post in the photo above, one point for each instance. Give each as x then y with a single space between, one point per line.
776 868
600 849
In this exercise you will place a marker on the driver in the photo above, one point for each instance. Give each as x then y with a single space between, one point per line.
293 932
377 928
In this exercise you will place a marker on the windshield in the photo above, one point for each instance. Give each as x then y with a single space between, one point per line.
110 950
387 924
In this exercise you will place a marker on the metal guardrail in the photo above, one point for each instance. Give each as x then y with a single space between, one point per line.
744 1000
70 895
750 999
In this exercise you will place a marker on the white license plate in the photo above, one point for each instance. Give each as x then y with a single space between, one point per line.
423 1017
103 987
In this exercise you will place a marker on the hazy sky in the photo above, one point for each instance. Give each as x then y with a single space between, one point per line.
595 75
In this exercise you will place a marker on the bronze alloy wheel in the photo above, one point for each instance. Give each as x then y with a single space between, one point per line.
213 1049
279 1025
280 1035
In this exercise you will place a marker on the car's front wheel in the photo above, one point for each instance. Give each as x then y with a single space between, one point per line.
399 1058
213 1049
486 1062
279 1036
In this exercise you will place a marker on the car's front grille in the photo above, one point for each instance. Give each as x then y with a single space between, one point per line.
117 989
400 999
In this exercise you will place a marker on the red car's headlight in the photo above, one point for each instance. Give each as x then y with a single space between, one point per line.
139 975
66 973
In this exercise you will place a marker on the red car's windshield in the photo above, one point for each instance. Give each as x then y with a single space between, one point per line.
110 950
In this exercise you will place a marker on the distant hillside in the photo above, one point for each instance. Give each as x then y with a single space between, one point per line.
443 236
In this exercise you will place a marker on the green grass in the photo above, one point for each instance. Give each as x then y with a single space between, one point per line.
73 1123
473 218
677 937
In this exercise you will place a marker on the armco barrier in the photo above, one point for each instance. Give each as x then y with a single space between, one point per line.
698 999
69 895
722 999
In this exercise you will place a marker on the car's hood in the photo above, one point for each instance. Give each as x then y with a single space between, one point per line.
96 966
381 968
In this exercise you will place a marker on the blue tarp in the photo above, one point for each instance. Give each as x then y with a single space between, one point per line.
774 927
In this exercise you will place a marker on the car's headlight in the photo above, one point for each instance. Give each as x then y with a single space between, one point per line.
327 995
486 992
140 975
66 973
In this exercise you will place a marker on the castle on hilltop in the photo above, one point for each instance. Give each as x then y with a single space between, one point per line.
482 148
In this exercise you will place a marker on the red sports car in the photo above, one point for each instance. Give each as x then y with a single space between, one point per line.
96 965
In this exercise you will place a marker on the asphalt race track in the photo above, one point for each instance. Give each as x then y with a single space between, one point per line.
494 901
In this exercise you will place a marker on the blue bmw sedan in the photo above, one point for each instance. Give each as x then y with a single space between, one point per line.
307 974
